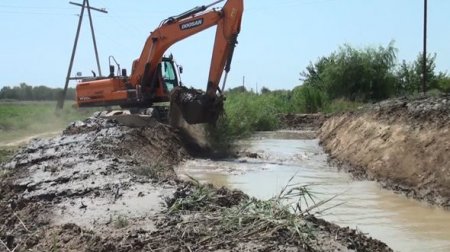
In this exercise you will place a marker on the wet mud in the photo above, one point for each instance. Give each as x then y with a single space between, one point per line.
102 186
402 143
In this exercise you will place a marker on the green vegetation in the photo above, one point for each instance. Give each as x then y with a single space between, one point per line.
344 80
371 74
236 215
156 170
121 222
21 119
354 74
24 92
6 153
247 112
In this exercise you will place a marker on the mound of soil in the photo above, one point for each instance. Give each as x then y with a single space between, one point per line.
102 186
402 143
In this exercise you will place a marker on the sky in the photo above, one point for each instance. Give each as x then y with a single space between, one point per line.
278 38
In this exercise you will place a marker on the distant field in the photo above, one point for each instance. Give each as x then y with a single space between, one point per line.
19 119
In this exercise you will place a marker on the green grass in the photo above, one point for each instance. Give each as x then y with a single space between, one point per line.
21 119
6 153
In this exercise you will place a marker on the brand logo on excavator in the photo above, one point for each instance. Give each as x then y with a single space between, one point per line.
191 24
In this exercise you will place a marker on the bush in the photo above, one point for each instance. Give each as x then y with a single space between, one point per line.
309 99
354 74
444 83
246 112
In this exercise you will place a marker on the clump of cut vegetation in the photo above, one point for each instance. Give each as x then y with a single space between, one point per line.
154 171
192 198
158 169
121 222
234 215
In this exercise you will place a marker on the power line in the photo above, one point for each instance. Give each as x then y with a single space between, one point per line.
35 13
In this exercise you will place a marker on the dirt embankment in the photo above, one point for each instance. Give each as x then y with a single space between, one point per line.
101 186
402 143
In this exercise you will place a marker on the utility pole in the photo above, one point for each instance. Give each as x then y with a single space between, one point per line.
84 5
424 63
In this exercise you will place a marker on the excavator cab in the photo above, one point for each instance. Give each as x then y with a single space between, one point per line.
115 90
170 74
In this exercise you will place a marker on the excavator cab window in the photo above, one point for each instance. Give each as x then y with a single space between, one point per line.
169 74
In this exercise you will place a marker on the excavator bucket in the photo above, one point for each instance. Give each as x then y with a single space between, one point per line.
194 106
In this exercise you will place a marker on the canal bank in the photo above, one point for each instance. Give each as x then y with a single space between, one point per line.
403 144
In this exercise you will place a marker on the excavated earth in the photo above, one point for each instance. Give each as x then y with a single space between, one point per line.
102 186
402 143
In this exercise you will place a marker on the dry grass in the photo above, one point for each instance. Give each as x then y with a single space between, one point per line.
284 214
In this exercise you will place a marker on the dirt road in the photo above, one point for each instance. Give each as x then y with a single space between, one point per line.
105 187
26 139
402 143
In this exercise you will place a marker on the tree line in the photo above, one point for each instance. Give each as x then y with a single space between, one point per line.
24 92
371 74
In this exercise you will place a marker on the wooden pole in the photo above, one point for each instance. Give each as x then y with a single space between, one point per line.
424 63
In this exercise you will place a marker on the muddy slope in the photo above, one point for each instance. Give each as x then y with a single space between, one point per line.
402 143
101 186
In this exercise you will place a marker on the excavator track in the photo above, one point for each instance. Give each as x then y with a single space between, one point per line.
136 117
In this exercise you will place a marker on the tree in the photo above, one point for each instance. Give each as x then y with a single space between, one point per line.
409 75
408 81
238 89
354 74
444 83
431 80
265 90
26 92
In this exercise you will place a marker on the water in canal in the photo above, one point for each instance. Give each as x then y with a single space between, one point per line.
404 224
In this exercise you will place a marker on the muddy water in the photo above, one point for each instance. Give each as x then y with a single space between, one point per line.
404 224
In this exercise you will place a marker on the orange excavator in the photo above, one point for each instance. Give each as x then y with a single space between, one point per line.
154 78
